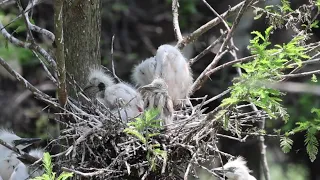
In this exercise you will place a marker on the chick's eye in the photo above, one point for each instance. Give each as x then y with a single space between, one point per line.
101 86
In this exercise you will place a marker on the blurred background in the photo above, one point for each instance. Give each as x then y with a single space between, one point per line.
139 28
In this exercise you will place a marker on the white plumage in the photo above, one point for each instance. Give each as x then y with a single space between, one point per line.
8 158
144 73
25 171
125 96
97 83
235 170
155 95
170 65
121 95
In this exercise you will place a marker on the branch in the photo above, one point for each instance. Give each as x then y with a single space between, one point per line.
204 28
33 27
205 51
175 14
112 62
204 75
293 87
61 67
17 151
245 59
30 46
301 74
38 94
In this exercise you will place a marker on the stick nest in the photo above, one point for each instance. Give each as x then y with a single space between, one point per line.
96 146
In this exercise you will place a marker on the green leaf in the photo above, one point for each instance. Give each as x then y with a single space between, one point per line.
314 78
312 143
65 175
286 144
135 133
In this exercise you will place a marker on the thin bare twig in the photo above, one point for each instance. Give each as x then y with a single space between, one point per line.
38 94
30 46
175 14
112 62
204 75
205 51
204 28
301 74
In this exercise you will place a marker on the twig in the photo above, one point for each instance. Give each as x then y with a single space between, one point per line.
112 62
31 46
61 67
38 94
189 165
234 138
204 28
293 87
16 150
205 51
245 59
204 75
217 97
100 171
301 74
33 27
175 14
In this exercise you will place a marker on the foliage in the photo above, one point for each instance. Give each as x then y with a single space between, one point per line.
284 16
144 128
267 67
49 174
9 51
286 144
312 127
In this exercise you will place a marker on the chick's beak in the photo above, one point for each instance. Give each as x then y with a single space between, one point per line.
91 90
25 141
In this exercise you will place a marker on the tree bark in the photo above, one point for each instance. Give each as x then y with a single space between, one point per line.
82 32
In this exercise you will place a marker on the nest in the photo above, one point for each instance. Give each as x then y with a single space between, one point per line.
97 147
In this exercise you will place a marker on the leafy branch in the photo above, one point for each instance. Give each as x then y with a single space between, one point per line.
144 128
49 174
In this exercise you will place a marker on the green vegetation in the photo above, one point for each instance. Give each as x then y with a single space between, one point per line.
144 128
49 174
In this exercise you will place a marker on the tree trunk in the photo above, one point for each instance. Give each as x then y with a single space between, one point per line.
82 32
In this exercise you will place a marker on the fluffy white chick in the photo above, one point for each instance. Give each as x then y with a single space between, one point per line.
155 95
174 69
125 97
144 73
121 95
24 170
170 65
235 170
97 83
8 158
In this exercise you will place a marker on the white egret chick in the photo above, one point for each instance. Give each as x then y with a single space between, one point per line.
124 96
155 95
174 69
121 95
144 73
24 170
170 65
8 158
235 170
97 83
